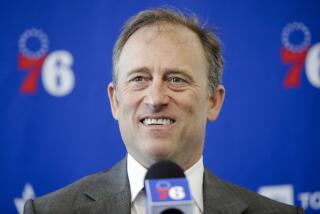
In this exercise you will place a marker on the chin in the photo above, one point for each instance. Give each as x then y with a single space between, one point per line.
159 153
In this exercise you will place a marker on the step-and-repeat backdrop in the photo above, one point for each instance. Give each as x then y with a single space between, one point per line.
55 119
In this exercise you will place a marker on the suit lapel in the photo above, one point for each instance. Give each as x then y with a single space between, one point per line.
110 194
218 199
118 203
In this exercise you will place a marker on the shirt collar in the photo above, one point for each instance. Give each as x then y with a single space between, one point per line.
136 174
195 178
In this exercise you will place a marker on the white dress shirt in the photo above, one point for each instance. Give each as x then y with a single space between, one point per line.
136 174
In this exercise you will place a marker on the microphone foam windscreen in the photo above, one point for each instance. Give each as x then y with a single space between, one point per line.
164 169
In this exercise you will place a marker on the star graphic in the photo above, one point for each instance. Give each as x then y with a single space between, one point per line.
27 193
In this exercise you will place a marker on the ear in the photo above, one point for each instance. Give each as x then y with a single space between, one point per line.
215 103
114 103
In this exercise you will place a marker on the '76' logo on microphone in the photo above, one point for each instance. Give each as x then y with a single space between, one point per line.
165 189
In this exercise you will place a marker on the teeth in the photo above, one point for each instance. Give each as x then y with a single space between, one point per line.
160 121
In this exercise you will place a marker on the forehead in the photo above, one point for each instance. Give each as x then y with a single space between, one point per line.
162 31
165 45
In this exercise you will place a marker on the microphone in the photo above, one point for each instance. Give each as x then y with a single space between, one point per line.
167 190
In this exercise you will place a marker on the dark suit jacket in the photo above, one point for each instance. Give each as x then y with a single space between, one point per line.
109 192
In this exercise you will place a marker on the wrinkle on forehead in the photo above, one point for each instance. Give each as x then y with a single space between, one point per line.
177 33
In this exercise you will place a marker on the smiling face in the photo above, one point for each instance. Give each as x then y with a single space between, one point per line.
161 101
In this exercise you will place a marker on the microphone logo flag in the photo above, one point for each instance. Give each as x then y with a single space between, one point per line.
173 189
169 195
165 189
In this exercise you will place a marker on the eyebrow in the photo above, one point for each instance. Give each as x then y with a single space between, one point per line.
167 72
138 70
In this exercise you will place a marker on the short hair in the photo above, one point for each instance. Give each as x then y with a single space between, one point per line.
207 36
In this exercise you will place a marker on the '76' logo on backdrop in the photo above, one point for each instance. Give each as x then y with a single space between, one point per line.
53 68
297 51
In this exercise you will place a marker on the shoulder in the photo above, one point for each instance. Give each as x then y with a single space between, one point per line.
65 198
255 203
258 203
69 198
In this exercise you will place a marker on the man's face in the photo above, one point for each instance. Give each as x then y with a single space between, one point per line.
161 101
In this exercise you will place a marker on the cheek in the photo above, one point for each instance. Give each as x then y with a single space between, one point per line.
128 103
192 104
126 109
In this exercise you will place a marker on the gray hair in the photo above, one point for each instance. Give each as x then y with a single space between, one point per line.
207 37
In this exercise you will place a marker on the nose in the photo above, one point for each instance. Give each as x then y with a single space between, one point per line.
156 96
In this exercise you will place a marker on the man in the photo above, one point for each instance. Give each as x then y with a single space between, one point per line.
166 85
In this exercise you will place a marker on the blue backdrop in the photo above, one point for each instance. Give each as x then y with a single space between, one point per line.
55 120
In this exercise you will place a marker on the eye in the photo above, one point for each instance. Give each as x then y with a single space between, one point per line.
137 79
138 82
177 81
